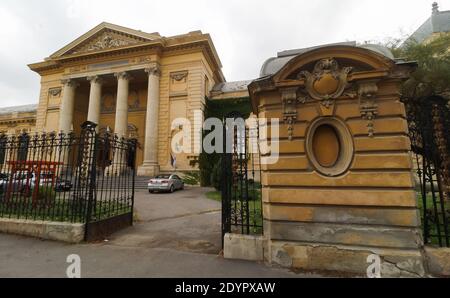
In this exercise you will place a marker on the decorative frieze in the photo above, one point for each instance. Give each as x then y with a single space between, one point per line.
77 69
106 40
140 60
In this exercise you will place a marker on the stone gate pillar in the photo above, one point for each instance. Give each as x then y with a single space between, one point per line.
343 187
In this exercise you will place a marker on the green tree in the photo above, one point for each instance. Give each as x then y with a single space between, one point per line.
432 76
210 164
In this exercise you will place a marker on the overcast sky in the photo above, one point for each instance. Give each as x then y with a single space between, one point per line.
245 32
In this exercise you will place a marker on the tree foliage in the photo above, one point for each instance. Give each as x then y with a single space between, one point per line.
210 164
432 76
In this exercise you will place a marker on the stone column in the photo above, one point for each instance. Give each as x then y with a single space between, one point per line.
150 167
95 99
67 106
121 124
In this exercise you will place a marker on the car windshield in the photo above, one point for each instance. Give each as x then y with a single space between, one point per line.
162 177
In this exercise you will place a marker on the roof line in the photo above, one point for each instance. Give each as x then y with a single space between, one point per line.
98 28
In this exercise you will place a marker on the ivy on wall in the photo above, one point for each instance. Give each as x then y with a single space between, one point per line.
210 164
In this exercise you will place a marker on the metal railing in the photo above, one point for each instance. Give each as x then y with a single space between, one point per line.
429 131
62 177
241 183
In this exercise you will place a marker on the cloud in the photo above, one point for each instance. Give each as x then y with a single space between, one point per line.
245 32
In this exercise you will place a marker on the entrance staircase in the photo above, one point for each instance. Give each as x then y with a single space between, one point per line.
141 182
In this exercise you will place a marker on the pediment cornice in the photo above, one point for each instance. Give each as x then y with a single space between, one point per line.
106 40
105 37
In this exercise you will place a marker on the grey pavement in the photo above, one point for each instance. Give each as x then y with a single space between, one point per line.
175 235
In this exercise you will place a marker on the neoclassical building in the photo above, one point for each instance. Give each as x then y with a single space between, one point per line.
134 84
18 119
436 25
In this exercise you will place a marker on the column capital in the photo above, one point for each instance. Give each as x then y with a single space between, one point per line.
95 79
123 75
153 71
70 83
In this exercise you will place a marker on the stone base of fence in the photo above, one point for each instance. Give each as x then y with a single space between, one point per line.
244 247
438 260
345 259
58 231
337 260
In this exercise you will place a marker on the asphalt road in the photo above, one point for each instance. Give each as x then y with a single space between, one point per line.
176 235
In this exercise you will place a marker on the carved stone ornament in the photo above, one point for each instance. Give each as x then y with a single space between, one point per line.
144 59
95 79
326 83
179 76
107 40
367 104
55 92
289 97
123 76
70 83
153 71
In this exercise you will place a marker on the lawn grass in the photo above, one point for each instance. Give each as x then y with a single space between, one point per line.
214 195
60 209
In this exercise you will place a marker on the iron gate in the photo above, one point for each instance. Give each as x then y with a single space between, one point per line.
241 178
429 131
87 179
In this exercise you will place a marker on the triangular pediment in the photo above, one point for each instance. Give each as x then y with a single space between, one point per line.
105 40
105 37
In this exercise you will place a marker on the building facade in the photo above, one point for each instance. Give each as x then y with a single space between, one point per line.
436 25
132 83
18 119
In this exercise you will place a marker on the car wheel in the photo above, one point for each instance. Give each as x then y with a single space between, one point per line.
150 191
172 189
182 187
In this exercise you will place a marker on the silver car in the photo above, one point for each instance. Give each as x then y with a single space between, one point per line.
165 182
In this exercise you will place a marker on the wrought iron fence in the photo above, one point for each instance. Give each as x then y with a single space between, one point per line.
86 178
429 131
241 181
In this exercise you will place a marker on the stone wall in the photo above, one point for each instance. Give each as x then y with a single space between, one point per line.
343 187
65 232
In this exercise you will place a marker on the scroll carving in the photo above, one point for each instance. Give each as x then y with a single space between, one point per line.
179 76
367 104
153 71
326 83
289 97
55 92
